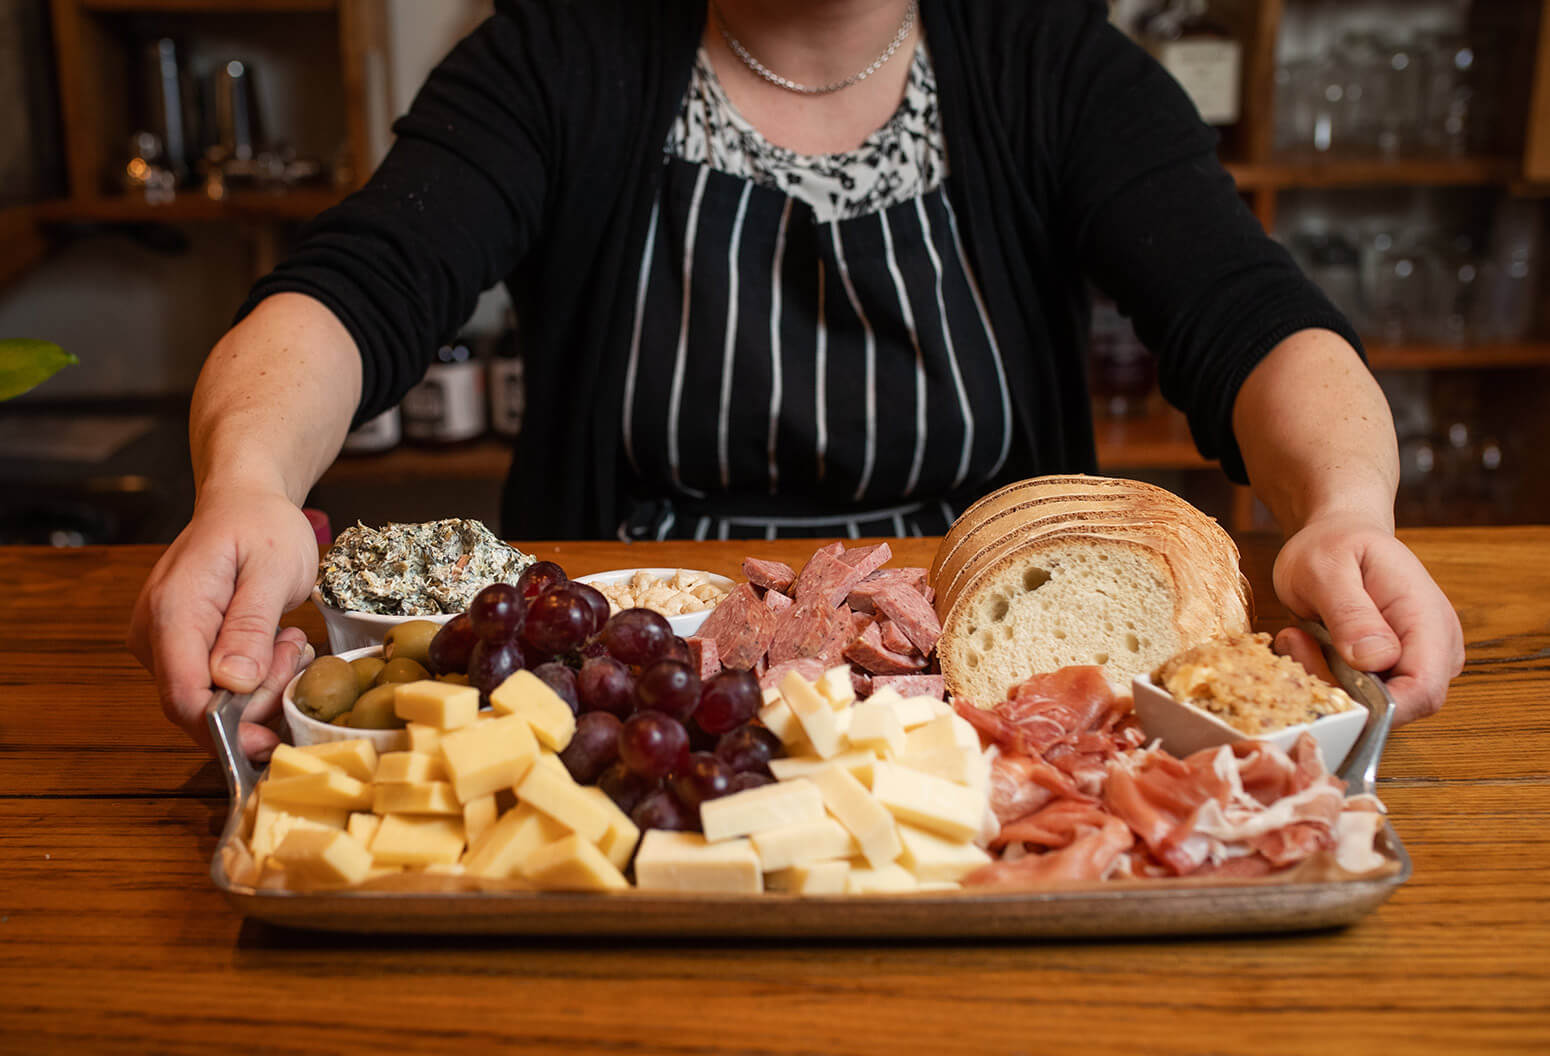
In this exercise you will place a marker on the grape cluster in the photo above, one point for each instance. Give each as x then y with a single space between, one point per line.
650 733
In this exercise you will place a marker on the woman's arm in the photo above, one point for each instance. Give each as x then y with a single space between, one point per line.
1318 441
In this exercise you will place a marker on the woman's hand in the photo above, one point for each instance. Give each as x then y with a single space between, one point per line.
208 614
1382 609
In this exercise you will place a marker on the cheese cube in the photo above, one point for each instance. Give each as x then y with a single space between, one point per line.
272 822
761 809
935 749
488 755
410 766
815 878
771 695
967 736
438 704
407 839
549 787
332 788
876 726
619 841
529 696
910 711
859 761
814 713
777 717
812 841
932 858
357 758
423 739
418 797
573 864
363 827
504 848
933 803
879 880
867 820
290 762
323 858
685 861
835 686
478 815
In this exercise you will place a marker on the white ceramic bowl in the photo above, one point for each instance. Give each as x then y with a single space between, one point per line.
1184 729
349 630
306 730
683 625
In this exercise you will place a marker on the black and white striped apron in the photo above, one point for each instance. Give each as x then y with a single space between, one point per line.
794 377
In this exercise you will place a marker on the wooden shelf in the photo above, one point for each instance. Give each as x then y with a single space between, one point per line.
486 459
234 7
1459 357
191 206
1305 172
1158 439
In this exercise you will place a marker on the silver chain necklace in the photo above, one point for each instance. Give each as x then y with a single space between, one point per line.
802 89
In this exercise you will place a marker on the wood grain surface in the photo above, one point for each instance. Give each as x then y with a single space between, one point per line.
113 939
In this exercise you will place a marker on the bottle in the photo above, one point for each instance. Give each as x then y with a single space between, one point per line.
375 435
447 406
1202 55
508 393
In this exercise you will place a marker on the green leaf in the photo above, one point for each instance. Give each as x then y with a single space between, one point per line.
26 364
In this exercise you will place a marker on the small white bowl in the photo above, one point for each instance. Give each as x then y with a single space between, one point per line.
349 630
1184 729
683 625
306 730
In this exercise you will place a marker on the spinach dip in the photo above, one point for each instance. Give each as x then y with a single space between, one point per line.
415 569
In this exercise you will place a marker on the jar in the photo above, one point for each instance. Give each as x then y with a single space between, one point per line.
508 392
447 406
375 435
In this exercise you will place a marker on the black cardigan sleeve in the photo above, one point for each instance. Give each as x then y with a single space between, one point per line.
1159 226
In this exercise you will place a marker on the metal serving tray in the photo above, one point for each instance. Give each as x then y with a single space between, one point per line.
1130 908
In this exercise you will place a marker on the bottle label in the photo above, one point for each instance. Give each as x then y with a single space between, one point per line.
448 405
1209 71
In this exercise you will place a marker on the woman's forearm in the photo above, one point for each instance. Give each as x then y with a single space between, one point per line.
275 398
1316 433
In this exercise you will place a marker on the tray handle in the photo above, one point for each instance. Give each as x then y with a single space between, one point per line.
1360 769
224 715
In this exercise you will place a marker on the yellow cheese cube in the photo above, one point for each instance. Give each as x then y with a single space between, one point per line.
478 815
812 841
760 809
933 858
814 713
423 739
504 848
875 725
410 766
685 861
407 839
933 803
418 797
835 686
488 756
291 762
778 718
332 788
271 822
879 880
618 843
859 761
549 787
815 878
357 758
573 864
935 749
527 695
438 704
858 810
771 695
910 711
323 858
363 827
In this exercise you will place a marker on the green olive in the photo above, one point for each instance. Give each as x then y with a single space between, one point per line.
326 689
402 669
454 678
374 711
367 668
411 640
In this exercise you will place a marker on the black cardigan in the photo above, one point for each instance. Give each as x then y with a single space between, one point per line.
534 153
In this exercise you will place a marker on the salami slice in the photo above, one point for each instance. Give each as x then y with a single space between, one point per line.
775 601
911 613
804 630
741 626
861 595
868 559
769 575
704 656
911 685
868 653
893 638
807 667
825 578
861 682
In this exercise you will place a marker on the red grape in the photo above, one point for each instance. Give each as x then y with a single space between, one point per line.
537 578
653 744
748 779
703 777
670 687
678 650
496 612
491 664
604 684
748 749
593 747
594 599
557 622
637 636
624 786
562 680
659 810
452 646
728 700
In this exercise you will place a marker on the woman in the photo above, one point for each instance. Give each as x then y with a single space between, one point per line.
791 266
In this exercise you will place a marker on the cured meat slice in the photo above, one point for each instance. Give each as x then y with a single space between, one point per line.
893 638
805 629
1049 709
769 575
1088 858
868 652
1020 785
861 682
825 578
775 601
911 685
867 559
808 667
911 613
861 595
841 631
742 628
704 657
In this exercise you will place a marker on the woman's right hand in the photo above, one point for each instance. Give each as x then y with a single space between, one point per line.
208 615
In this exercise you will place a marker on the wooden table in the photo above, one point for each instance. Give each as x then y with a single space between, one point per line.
112 938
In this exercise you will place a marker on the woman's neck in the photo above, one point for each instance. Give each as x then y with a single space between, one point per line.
813 42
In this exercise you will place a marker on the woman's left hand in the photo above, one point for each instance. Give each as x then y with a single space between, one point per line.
1381 606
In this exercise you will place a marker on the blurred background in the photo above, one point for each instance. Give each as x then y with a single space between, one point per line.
158 155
